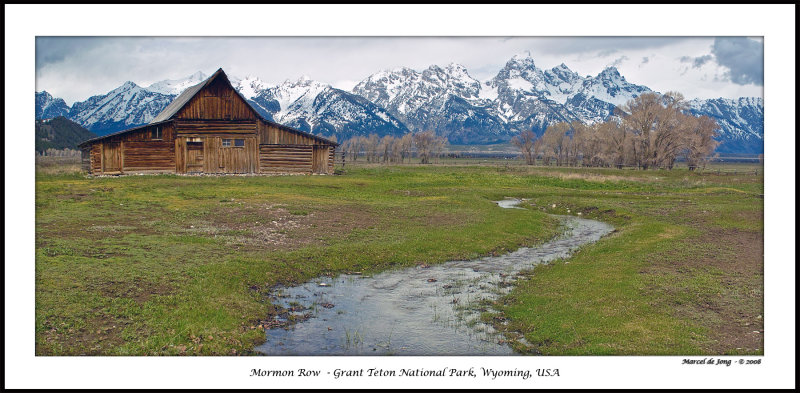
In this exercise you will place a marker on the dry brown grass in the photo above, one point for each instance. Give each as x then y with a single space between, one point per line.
588 176
52 165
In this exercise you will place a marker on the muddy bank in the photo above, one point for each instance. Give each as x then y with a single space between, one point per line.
425 310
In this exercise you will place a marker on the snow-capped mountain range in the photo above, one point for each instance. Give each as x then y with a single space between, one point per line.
445 99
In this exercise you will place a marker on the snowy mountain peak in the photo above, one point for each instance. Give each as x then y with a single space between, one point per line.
177 86
523 59
457 71
610 72
250 86
562 68
48 107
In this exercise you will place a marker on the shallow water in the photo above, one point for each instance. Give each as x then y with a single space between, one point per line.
414 311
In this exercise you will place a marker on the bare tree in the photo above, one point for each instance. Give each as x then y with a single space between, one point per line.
406 142
386 146
424 141
700 143
554 138
439 144
525 142
354 147
591 145
538 147
639 118
371 147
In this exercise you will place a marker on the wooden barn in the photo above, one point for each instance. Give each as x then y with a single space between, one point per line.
209 128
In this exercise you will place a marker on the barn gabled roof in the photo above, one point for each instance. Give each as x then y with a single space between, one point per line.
118 133
178 103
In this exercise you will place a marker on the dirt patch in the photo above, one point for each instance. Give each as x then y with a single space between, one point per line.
274 227
100 335
592 177
137 289
717 282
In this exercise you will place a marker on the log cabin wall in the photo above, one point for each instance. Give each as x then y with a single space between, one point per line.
331 157
285 158
94 159
150 149
281 150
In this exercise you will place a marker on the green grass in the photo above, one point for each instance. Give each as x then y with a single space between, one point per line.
166 265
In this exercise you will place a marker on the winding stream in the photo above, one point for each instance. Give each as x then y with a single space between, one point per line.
414 311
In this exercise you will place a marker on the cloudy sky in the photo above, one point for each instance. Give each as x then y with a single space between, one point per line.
74 68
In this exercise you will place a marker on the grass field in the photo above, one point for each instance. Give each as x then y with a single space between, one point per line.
166 265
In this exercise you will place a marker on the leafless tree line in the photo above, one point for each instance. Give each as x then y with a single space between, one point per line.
650 131
390 149
66 152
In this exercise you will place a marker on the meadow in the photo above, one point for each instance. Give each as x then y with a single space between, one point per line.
181 265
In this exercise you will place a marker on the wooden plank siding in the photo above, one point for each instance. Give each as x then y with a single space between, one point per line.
112 157
215 127
271 135
319 159
218 101
220 159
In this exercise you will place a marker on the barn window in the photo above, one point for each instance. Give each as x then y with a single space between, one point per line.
233 143
156 133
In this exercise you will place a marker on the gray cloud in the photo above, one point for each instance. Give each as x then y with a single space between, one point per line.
699 61
605 45
607 52
51 50
744 58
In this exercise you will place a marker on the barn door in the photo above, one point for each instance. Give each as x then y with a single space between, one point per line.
112 157
319 159
194 157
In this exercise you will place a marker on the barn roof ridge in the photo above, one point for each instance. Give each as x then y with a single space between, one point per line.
179 102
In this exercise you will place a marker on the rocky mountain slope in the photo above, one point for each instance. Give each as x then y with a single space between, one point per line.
48 107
